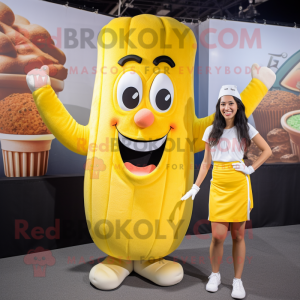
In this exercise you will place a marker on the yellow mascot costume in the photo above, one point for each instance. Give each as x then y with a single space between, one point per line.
141 139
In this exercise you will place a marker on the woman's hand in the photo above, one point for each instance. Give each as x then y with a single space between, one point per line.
192 192
243 168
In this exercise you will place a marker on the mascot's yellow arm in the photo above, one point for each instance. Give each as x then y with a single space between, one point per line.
251 97
62 125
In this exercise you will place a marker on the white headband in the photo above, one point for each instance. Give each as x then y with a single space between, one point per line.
229 90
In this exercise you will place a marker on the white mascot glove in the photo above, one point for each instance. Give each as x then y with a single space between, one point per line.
38 78
264 74
243 168
192 192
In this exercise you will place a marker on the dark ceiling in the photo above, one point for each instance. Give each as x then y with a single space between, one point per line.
273 11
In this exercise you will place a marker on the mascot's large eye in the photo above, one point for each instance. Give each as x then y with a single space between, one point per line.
162 93
129 91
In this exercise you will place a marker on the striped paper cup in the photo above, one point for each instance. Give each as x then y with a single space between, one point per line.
25 155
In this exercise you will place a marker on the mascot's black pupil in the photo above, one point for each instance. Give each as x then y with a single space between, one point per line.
163 99
131 97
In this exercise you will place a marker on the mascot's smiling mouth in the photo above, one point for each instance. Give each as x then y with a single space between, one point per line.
141 157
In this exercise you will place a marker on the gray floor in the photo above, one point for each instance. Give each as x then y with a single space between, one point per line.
271 271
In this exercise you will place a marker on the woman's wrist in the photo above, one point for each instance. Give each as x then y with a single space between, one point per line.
195 186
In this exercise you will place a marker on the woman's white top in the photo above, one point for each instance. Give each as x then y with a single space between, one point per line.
228 148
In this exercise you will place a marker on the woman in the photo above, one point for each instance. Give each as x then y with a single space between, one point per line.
230 200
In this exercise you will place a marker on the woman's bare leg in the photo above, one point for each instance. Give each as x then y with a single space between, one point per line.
219 233
238 247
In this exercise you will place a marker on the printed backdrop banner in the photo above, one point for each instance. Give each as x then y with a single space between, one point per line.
35 32
232 47
27 146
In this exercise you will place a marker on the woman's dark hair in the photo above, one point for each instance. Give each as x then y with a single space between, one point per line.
240 121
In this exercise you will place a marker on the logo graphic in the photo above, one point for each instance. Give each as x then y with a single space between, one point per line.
39 258
95 166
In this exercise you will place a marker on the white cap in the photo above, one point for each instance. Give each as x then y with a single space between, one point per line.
229 90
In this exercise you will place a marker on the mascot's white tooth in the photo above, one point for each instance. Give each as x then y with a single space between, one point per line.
141 146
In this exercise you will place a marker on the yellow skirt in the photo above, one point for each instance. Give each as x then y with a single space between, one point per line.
230 197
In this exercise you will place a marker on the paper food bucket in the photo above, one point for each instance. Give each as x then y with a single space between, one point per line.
293 133
266 120
24 155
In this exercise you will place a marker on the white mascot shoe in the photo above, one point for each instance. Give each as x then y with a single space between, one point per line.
109 274
160 271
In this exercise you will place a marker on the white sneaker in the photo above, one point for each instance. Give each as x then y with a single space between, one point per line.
238 290
214 282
